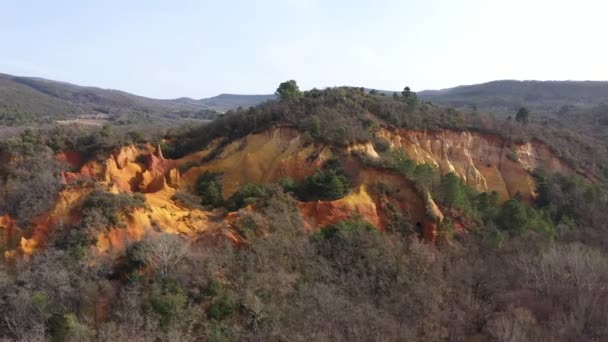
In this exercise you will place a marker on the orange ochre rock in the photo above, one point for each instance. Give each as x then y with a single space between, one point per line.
486 162
319 214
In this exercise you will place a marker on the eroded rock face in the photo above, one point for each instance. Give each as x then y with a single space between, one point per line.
488 163
317 214
261 158
483 161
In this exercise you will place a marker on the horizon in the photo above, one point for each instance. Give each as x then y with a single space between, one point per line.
273 92
196 50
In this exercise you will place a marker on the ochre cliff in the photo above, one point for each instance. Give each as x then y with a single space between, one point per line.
486 162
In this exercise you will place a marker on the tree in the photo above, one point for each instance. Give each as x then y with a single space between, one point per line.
163 253
210 189
522 115
409 97
452 191
288 90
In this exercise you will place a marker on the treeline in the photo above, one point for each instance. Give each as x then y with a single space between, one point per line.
347 282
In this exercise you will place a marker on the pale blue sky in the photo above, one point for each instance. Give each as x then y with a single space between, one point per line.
169 49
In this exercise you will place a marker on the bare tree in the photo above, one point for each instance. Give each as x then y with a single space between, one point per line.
164 252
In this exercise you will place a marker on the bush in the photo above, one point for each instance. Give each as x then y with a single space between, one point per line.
345 228
516 216
187 199
110 205
168 305
324 185
221 308
210 189
247 195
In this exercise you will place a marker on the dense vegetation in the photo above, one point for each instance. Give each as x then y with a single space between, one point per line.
347 282
521 272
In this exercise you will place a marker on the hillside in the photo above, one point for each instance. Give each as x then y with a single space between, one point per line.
306 218
26 100
506 97
225 102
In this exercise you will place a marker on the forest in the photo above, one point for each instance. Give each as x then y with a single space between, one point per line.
500 269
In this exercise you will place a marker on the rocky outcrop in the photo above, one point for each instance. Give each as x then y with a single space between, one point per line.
486 162
263 157
318 214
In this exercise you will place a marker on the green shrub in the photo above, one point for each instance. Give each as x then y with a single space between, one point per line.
210 189
248 194
516 216
168 305
187 166
110 205
344 228
324 185
221 307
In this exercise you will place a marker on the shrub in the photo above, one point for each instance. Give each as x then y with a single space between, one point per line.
210 189
187 199
324 185
516 216
248 194
344 228
168 305
221 307
110 205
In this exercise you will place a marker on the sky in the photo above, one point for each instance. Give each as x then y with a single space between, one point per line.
170 49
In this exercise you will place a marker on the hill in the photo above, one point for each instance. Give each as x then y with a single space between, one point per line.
26 100
330 214
225 102
506 97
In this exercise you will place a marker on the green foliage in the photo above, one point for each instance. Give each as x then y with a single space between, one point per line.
446 230
567 198
398 222
212 288
110 205
425 177
186 166
248 194
453 192
221 307
288 90
288 184
168 305
343 229
210 189
516 216
522 116
67 328
410 98
132 261
329 184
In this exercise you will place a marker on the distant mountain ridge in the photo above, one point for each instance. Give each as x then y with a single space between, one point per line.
35 100
507 96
